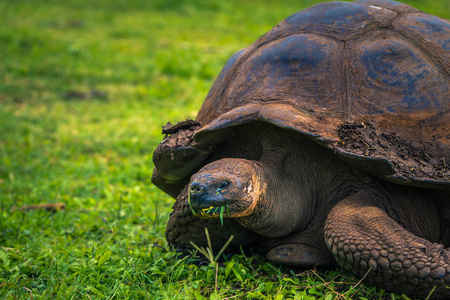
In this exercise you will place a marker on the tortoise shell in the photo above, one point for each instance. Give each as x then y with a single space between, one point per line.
369 80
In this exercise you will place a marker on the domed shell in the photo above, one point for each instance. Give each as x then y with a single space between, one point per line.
368 80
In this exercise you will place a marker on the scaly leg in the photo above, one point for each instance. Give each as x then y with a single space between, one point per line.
366 241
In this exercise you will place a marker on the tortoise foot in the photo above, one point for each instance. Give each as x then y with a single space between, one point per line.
300 255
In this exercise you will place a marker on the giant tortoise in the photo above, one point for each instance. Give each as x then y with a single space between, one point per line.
326 140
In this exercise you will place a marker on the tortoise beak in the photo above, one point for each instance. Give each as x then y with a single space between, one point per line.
197 196
203 199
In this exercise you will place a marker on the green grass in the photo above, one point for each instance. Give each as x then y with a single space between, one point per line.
85 87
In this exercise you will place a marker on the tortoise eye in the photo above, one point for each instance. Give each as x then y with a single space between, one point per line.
222 185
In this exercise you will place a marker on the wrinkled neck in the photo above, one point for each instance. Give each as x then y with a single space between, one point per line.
303 181
280 207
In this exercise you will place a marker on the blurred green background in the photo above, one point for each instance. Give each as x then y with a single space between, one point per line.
85 87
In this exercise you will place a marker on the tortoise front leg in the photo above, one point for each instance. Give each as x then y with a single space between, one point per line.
298 249
366 241
300 255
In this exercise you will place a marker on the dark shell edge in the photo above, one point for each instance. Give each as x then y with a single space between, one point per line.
321 131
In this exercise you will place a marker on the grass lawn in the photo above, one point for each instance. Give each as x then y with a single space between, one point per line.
85 87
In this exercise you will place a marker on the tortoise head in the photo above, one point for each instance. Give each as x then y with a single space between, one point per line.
228 187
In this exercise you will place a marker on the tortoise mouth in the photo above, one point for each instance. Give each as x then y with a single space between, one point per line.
210 207
218 211
221 209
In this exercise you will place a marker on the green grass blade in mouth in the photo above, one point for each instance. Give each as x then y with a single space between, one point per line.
206 211
222 210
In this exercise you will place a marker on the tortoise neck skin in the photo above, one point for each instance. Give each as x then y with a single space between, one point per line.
301 182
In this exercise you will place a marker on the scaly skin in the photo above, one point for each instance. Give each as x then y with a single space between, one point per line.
367 242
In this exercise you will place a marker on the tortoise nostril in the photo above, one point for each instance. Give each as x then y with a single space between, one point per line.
196 188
